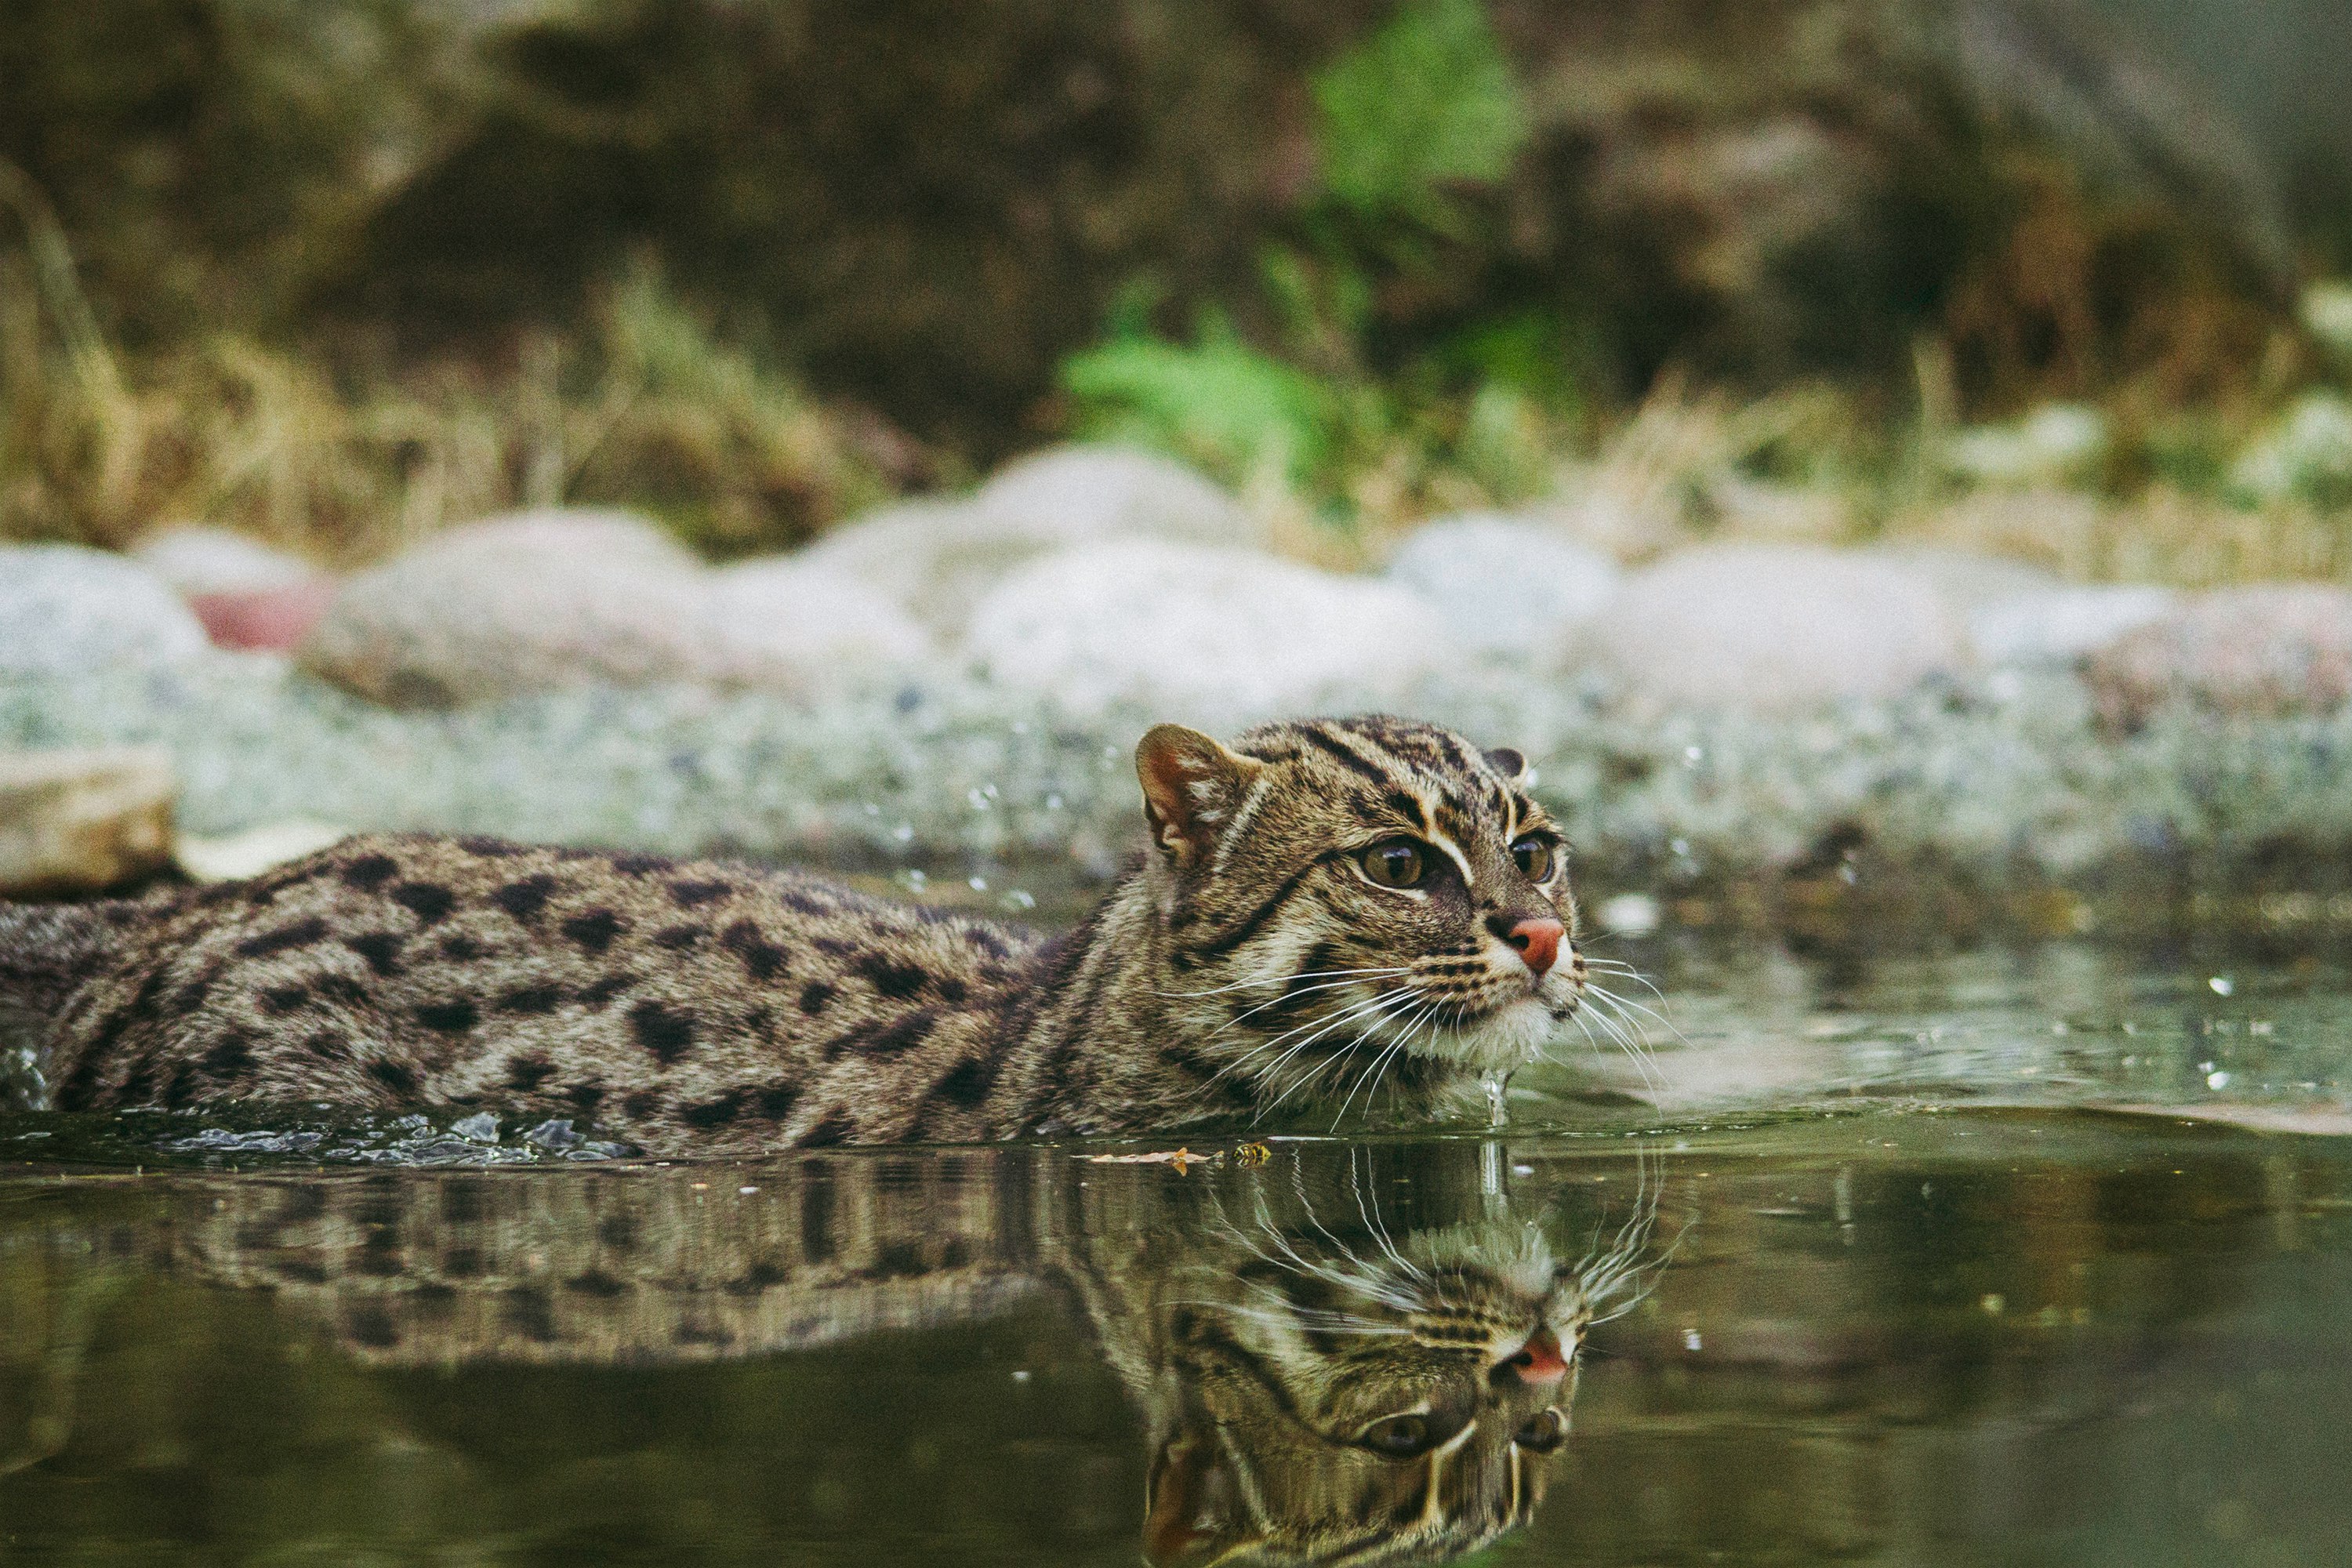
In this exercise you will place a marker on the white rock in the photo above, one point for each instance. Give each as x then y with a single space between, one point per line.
1207 634
64 608
1074 494
1506 585
1774 628
785 622
938 558
219 560
531 601
2060 623
1967 579
231 857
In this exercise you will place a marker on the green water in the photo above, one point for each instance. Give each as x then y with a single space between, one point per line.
1999 1258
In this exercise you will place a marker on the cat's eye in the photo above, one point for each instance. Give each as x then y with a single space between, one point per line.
1400 1436
1535 856
1542 1432
1395 863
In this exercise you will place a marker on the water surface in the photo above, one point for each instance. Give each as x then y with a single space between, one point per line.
1990 1258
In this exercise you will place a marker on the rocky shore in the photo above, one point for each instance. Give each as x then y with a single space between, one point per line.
955 687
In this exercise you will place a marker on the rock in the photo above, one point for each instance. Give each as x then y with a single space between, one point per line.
789 623
219 560
1071 494
1194 632
2266 649
247 594
82 822
1967 580
64 609
1505 585
938 558
230 856
265 620
2060 623
1774 627
526 603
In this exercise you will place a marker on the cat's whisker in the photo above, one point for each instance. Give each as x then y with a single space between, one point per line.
1628 1039
1380 1007
1265 980
1371 1074
1264 1045
1302 991
1628 1003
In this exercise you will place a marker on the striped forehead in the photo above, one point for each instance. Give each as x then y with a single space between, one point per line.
1434 781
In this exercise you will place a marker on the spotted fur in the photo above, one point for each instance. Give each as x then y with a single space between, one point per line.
1246 966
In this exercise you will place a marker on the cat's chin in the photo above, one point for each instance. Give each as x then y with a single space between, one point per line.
1500 1040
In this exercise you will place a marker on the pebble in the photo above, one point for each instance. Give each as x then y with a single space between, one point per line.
937 559
1774 628
1215 636
64 608
2063 622
2262 650
527 603
1505 585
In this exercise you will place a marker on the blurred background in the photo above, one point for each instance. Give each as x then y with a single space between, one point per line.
1693 357
336 273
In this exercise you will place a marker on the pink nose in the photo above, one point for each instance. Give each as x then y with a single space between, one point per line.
1538 1360
1538 941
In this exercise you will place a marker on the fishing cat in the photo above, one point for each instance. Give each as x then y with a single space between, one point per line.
1316 1379
1326 909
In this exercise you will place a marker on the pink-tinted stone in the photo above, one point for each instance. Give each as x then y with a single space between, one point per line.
269 619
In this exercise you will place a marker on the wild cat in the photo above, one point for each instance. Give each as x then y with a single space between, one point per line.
1326 910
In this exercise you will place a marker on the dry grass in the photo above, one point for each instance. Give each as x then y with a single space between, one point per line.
648 410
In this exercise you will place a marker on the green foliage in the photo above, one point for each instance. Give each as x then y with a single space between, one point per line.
1216 401
1427 101
1357 417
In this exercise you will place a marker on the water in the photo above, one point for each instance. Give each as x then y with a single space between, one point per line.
2000 1257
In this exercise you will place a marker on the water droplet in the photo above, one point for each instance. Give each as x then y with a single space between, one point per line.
977 884
2217 1080
2222 984
1691 1341
1493 1083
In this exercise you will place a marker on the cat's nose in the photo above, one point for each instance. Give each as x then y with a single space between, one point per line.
1535 938
1538 1360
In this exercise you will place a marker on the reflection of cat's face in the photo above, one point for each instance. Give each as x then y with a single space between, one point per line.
1377 1404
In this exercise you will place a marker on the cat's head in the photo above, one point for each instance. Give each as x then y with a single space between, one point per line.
1355 904
1384 1404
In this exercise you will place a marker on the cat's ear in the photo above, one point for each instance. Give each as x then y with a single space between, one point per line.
1191 787
1511 765
1192 1510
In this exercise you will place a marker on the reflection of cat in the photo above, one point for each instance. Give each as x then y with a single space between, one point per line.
1315 1383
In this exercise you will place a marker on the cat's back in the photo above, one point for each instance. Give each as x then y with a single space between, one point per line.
397 968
